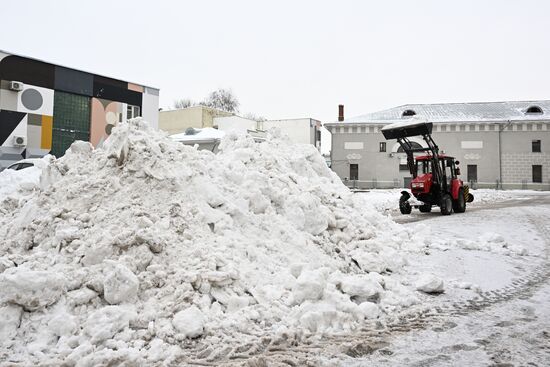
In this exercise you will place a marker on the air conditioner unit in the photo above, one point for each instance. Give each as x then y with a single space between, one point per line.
16 86
19 140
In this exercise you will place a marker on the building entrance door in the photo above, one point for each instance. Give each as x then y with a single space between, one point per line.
472 173
353 172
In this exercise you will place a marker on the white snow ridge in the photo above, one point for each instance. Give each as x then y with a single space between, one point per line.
134 251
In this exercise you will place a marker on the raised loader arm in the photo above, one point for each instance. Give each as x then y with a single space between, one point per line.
403 130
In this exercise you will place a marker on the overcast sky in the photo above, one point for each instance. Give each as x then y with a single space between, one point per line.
287 59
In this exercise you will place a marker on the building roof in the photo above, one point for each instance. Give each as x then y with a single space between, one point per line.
195 134
71 68
461 112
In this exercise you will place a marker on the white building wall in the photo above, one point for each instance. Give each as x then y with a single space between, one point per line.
235 123
150 107
298 130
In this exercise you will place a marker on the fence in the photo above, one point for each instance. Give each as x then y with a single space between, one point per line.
496 185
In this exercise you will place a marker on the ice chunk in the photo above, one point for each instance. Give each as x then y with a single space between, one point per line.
120 285
362 287
369 310
10 318
31 289
309 285
189 322
429 283
104 323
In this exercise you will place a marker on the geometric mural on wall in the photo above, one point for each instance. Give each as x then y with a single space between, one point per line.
9 121
105 115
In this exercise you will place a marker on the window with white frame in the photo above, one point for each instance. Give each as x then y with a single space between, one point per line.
132 112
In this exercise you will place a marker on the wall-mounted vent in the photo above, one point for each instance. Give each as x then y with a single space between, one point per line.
19 140
16 86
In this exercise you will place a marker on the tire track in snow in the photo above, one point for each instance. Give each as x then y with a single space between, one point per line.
373 335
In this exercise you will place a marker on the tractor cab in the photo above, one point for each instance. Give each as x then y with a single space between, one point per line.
435 176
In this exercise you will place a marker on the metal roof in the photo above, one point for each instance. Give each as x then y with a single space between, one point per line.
460 112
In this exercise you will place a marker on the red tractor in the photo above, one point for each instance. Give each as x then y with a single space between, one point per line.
435 176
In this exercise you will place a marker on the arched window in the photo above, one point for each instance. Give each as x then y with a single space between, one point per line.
414 145
408 113
534 109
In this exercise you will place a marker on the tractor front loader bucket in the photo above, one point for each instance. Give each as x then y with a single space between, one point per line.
406 129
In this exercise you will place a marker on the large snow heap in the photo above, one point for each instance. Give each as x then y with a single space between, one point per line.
136 247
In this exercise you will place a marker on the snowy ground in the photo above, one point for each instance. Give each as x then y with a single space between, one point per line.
495 310
153 253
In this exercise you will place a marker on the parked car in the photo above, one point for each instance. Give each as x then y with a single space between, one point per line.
26 163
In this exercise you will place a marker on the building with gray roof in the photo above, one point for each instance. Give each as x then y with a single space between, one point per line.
498 144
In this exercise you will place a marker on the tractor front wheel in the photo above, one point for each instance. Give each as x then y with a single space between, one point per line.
459 205
405 207
446 204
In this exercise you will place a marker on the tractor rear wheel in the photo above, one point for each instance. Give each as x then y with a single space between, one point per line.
459 205
446 204
425 208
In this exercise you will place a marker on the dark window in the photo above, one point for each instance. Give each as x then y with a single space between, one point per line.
353 172
534 109
383 146
472 173
403 167
537 173
408 113
535 144
318 135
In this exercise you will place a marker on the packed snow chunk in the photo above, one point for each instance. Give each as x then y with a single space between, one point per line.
106 322
189 322
120 285
368 261
10 318
361 288
369 310
429 283
31 289
5 263
310 285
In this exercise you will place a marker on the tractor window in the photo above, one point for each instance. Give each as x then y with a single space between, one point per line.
423 167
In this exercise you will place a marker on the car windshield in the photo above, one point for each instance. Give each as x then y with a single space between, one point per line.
423 167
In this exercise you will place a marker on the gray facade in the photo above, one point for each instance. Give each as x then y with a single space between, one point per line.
497 145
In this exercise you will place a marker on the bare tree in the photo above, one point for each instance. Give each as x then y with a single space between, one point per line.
183 103
253 116
222 99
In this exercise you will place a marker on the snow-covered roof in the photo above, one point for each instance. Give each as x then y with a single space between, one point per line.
461 112
203 134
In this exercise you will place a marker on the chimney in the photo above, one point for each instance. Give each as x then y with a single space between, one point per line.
340 112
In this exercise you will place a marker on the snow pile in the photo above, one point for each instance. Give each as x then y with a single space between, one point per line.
129 250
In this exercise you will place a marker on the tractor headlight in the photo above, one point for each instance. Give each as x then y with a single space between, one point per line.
417 185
